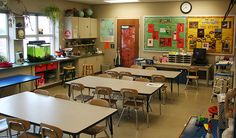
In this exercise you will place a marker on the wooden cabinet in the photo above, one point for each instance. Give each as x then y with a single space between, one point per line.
96 61
78 27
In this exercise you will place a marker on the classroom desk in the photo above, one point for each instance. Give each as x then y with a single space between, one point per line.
192 131
117 84
148 73
183 66
17 79
72 117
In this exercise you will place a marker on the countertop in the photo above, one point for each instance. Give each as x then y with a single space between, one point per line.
50 61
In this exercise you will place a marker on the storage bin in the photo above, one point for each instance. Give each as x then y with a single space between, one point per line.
40 68
40 74
52 66
40 82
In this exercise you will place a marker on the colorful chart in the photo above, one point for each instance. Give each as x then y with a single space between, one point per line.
164 33
211 33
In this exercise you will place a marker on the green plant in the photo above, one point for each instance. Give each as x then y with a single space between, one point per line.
2 58
53 12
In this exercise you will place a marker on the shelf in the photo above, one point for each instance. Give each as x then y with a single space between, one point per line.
82 45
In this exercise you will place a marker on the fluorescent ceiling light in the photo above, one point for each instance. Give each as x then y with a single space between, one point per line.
120 1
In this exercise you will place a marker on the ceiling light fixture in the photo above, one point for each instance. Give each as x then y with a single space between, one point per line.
120 1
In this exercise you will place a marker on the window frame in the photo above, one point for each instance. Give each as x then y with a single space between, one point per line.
6 36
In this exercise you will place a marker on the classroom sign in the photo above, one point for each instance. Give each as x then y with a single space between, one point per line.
164 33
211 33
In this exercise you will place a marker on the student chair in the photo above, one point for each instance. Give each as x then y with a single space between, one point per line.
3 126
151 68
136 66
113 74
87 69
50 131
96 129
21 126
161 79
130 101
67 71
62 96
192 75
80 88
106 92
41 91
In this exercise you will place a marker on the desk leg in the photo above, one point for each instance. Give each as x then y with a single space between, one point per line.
148 98
76 136
178 85
171 85
69 91
111 126
160 99
19 87
207 77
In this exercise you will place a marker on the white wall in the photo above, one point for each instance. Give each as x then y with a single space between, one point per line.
138 10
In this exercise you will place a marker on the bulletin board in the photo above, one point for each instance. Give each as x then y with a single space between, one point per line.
211 33
164 33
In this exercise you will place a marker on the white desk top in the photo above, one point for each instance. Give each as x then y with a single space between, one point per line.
70 116
148 73
117 84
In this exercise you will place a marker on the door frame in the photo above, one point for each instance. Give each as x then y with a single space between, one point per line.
136 36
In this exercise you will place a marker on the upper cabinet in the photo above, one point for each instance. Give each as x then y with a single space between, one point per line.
78 27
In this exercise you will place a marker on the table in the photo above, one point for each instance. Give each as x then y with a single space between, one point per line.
72 117
148 73
192 131
143 88
17 79
183 66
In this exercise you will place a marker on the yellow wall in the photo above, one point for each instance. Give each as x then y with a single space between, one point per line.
138 10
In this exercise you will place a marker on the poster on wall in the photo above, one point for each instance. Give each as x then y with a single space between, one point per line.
211 33
164 33
106 30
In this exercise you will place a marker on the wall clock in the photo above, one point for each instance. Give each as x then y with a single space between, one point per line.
186 7
20 33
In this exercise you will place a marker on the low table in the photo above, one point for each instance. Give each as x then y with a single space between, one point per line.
17 79
192 131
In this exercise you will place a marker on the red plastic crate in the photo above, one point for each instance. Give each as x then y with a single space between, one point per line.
40 68
40 82
52 66
40 74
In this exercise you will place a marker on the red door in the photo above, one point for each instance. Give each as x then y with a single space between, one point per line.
128 41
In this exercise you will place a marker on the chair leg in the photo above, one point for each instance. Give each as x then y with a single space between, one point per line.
136 114
197 83
186 84
106 133
121 116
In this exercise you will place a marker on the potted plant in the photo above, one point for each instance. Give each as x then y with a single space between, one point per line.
4 63
53 12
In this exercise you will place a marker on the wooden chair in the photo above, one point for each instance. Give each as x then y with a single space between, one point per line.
192 75
130 101
41 91
114 74
105 75
82 97
87 69
50 131
136 66
106 92
21 126
96 129
62 96
4 126
161 79
142 79
151 68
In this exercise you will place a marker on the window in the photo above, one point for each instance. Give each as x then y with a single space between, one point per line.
39 28
4 35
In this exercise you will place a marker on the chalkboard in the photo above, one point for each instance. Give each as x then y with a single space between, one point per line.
164 33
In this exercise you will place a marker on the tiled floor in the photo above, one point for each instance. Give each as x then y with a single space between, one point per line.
175 113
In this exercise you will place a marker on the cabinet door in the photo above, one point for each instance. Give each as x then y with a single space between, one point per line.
84 27
93 28
71 27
